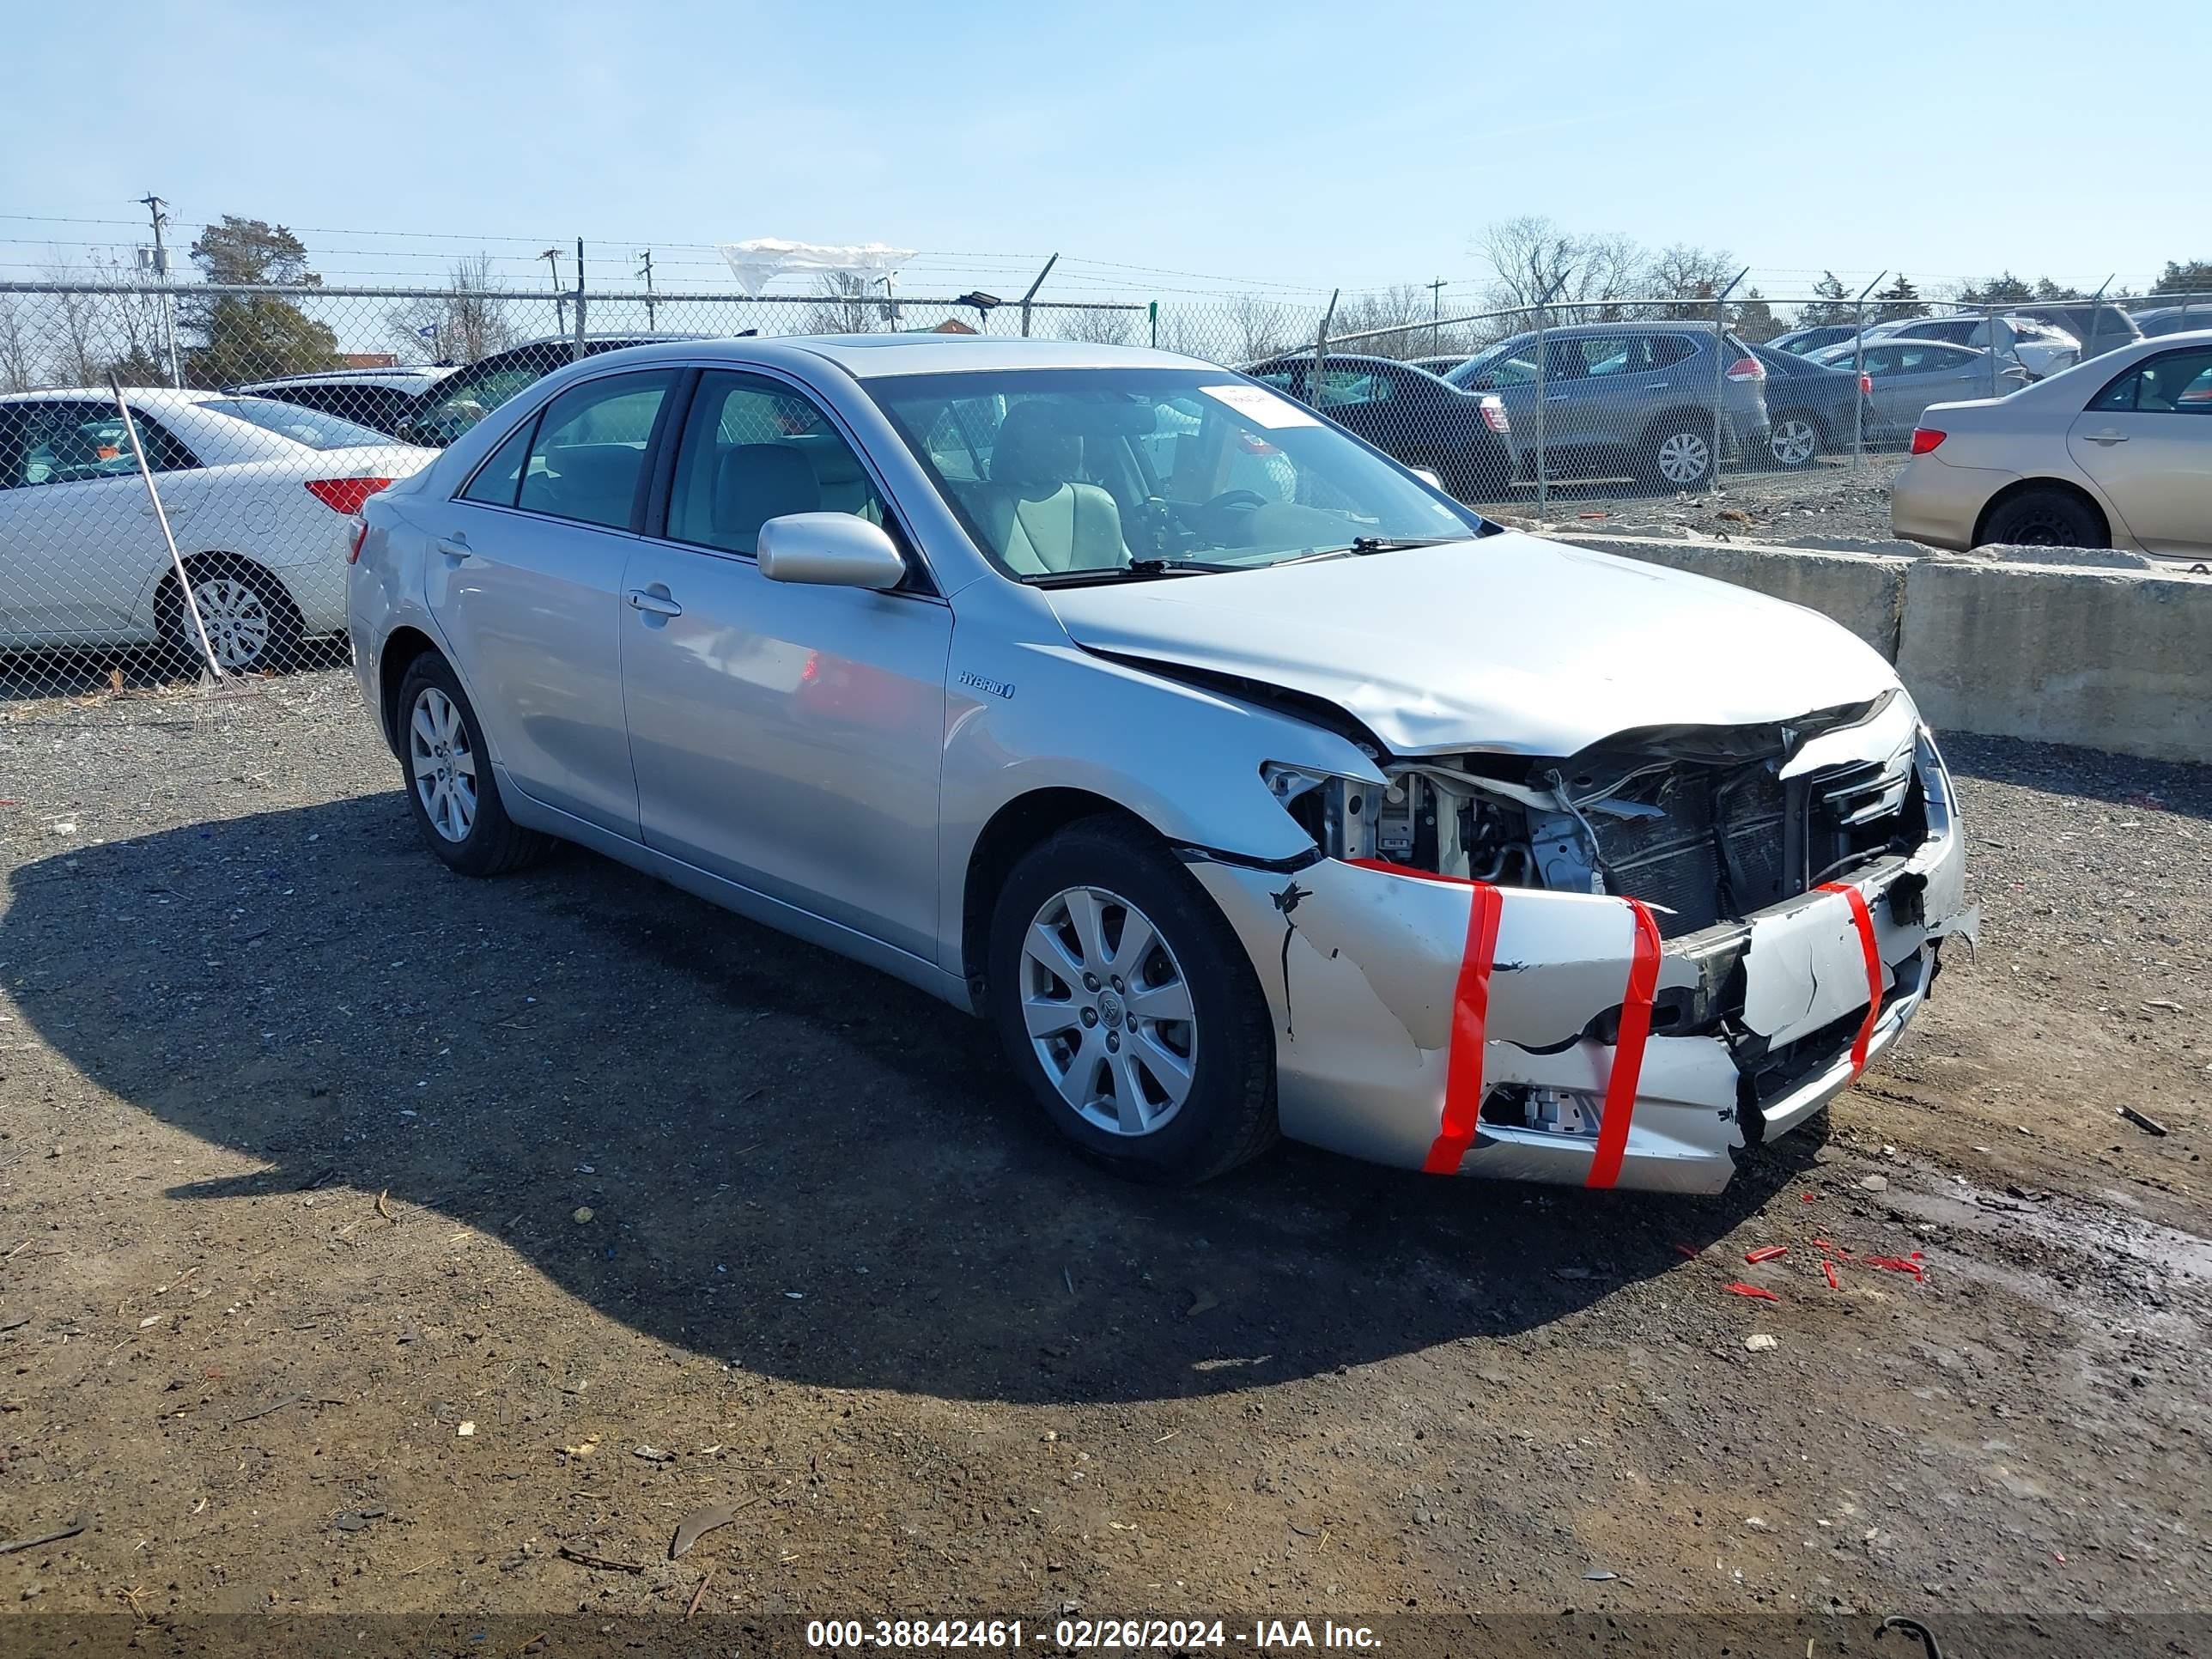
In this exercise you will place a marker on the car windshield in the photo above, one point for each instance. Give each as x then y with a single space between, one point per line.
1511 363
301 424
1093 474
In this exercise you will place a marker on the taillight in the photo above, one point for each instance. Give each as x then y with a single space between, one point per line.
1494 416
1866 385
356 533
1746 368
1925 438
344 494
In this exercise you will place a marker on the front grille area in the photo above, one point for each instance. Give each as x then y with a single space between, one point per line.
1718 850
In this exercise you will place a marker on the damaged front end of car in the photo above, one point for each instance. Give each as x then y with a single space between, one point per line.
1619 967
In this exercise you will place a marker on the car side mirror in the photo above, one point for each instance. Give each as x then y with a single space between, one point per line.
1428 476
829 550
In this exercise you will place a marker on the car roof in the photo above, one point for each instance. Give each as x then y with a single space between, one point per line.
873 356
101 394
398 375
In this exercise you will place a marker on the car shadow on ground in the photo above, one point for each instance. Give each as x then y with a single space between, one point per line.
790 1160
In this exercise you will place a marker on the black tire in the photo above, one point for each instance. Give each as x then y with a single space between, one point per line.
1228 1115
493 844
1668 441
2045 518
1792 431
252 621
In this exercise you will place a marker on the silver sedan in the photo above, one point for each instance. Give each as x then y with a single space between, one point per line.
1247 782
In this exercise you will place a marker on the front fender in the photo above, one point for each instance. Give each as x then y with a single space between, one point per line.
1051 716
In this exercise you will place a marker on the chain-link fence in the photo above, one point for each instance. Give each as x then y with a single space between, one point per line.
198 526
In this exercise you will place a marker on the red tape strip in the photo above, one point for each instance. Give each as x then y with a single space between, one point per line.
1627 1050
1470 1010
1863 920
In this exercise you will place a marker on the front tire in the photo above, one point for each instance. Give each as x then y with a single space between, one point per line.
1795 440
1129 1008
2045 518
449 785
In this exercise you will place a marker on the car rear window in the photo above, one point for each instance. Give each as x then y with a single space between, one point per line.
297 422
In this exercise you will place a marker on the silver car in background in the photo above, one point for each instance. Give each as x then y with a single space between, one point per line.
1247 782
2114 453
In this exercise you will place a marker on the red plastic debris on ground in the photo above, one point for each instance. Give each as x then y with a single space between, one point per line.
1689 1250
1740 1288
1766 1253
1829 1268
1896 1264
1832 1250
1805 1198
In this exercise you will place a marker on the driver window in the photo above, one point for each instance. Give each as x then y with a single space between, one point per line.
752 450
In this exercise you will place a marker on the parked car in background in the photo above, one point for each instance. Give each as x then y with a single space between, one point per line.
2115 453
2099 328
459 402
257 494
2174 319
1629 396
2037 346
1218 807
383 399
1804 340
1440 366
1465 438
1810 406
1905 376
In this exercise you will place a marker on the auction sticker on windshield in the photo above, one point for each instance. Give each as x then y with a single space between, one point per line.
1259 403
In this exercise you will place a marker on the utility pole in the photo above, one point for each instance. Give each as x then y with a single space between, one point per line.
552 257
1436 315
158 209
646 271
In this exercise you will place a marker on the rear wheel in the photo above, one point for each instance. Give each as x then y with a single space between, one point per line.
1129 1008
1678 451
2045 518
450 784
252 626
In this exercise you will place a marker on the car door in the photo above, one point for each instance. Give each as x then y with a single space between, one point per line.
525 576
1915 374
787 738
2147 440
79 542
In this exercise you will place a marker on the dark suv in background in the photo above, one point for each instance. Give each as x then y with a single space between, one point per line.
1629 396
470 394
380 398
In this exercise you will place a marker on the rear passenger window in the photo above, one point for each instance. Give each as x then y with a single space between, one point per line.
498 478
1668 350
590 449
754 450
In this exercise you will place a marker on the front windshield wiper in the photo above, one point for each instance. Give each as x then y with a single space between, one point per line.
1396 544
1139 569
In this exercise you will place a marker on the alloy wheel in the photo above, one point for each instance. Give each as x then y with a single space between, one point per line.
1684 457
443 764
1109 1011
1794 441
237 620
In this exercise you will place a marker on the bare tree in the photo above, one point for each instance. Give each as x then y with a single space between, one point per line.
77 355
1691 275
467 322
1535 261
15 369
1404 309
847 305
1259 328
1098 325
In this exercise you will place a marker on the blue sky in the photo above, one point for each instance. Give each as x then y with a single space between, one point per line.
1304 146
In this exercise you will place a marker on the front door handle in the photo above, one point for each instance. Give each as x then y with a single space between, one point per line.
455 547
2106 437
655 602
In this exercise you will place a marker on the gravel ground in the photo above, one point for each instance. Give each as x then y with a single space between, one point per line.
1825 502
370 1237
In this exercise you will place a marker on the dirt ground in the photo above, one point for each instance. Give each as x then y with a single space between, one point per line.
373 1241
1827 500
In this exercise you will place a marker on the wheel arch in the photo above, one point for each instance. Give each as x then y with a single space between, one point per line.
2020 487
1025 822
403 648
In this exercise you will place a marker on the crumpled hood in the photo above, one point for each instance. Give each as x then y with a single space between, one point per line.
1511 643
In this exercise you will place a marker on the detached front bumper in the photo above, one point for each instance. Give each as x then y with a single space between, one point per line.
1433 1023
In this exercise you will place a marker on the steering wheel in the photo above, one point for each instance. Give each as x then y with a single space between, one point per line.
1230 498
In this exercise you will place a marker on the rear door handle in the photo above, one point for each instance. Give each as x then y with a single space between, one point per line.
455 547
2106 437
654 604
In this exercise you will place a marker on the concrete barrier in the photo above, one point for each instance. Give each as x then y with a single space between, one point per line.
2112 656
2114 660
1864 591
